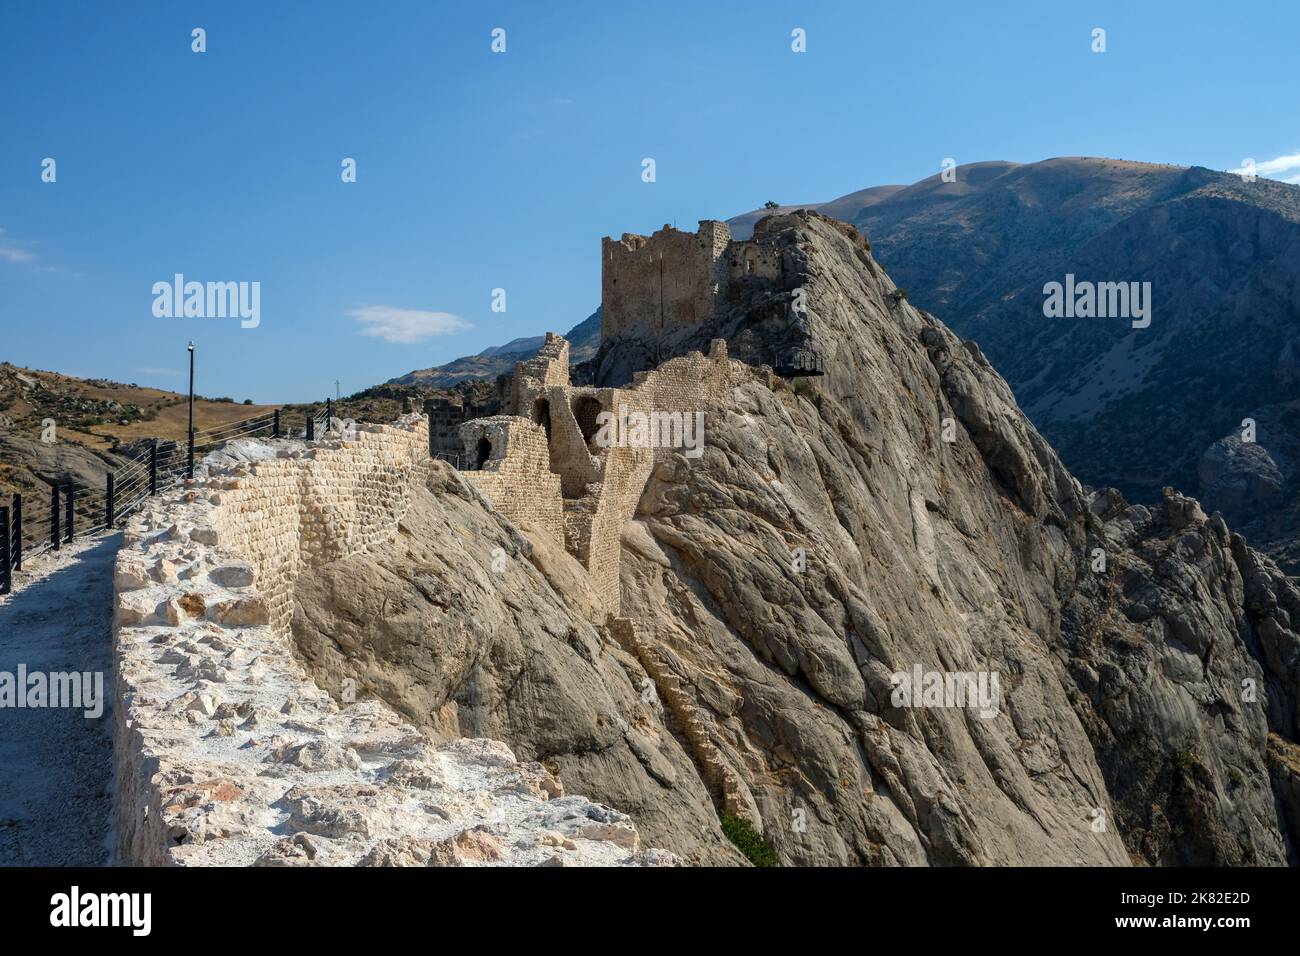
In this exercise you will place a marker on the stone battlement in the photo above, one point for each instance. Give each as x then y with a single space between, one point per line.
546 468
652 286
668 280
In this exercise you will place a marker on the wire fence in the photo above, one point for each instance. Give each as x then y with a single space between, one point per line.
32 525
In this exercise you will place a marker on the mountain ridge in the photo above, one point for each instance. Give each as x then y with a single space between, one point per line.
500 359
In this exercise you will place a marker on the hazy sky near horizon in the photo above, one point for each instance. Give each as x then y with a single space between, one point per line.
479 170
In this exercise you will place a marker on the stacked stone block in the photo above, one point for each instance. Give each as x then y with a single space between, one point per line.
669 280
314 506
517 476
445 415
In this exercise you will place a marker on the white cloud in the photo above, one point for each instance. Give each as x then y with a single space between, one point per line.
1279 165
11 250
1272 167
406 325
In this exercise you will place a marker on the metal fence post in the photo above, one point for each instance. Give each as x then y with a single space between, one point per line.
428 412
55 537
329 414
6 566
275 431
18 533
311 427
110 502
68 518
153 467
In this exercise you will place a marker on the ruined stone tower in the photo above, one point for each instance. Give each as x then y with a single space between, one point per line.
650 285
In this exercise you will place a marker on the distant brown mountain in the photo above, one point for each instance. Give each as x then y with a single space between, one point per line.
1136 408
584 339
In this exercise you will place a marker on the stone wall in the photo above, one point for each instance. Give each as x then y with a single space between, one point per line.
229 754
550 366
445 416
654 285
541 471
310 506
687 384
669 280
517 476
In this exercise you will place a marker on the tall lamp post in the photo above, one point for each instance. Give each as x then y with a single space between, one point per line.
189 472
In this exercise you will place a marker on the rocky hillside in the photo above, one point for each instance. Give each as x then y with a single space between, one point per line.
500 359
1135 408
899 515
95 421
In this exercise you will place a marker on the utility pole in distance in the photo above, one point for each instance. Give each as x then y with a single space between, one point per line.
189 472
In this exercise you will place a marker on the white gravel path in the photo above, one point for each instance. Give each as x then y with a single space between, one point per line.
55 764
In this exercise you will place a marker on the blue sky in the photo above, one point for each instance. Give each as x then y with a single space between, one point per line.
478 170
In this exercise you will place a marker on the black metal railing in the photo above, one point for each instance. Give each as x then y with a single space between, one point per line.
11 542
74 509
328 421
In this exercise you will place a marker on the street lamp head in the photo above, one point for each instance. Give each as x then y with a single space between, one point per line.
190 347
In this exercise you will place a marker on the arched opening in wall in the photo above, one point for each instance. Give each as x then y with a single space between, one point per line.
482 453
585 410
542 416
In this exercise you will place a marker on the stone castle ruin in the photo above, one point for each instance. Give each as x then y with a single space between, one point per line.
320 645
225 729
544 469
540 462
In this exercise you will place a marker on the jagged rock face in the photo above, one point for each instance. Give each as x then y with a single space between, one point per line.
1169 650
1256 484
65 461
1240 475
1115 739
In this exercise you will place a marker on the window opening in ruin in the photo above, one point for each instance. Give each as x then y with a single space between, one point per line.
542 416
585 410
483 454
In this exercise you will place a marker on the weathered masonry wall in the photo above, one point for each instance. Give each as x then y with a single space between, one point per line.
445 415
227 751
550 366
516 476
546 459
653 285
668 280
332 500
687 384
